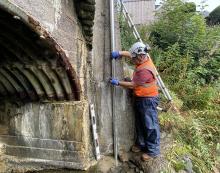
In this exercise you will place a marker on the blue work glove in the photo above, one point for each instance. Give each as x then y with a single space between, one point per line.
114 81
115 54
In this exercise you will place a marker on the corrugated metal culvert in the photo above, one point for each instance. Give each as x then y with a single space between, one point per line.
33 67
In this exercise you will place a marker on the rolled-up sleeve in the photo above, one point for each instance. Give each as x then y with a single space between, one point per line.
143 76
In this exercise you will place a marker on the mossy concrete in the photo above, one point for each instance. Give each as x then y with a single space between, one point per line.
47 132
57 134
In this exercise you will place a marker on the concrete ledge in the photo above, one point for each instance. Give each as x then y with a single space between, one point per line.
29 164
42 143
46 154
53 134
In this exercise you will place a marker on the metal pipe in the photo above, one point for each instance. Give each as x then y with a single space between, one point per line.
114 118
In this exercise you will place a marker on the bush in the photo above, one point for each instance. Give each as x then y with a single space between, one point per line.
187 54
127 38
196 136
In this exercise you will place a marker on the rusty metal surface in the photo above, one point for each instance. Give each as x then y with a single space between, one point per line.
32 65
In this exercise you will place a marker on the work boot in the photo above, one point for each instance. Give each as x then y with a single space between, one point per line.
135 149
145 157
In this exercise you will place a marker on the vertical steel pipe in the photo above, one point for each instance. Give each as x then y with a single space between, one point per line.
114 117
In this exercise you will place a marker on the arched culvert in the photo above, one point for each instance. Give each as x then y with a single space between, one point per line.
32 65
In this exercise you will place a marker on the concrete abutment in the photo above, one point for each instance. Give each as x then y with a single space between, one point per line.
51 75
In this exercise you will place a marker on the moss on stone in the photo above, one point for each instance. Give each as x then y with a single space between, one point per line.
86 13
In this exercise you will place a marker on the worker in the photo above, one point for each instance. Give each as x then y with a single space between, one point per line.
145 91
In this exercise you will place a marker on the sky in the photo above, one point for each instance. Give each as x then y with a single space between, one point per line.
211 4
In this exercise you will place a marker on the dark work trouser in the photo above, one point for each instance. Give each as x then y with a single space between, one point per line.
147 125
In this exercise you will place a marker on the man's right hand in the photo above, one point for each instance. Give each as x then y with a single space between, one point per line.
114 81
115 54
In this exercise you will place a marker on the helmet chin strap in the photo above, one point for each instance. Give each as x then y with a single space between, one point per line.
140 59
144 58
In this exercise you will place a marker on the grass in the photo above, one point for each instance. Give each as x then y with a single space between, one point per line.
197 135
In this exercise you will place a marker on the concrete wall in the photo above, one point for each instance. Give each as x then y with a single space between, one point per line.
51 134
101 65
54 134
66 124
141 11
59 18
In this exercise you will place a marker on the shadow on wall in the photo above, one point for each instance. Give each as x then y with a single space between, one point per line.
34 75
32 66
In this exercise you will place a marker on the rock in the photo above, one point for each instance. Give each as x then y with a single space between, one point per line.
137 170
152 166
163 135
188 164
123 156
131 165
105 164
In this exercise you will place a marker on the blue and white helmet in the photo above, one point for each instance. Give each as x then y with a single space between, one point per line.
139 48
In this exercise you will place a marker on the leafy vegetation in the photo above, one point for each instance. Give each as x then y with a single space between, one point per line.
126 34
186 52
186 47
196 136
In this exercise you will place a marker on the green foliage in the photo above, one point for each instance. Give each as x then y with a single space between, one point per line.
175 155
190 7
127 38
172 26
187 54
214 17
196 136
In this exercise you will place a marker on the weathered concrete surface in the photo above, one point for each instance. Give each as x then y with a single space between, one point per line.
46 120
101 66
27 46
61 130
55 134
60 20
132 163
52 134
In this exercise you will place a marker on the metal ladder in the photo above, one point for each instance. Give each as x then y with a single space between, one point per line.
138 38
159 80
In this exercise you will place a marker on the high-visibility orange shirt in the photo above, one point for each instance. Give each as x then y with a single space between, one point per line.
145 78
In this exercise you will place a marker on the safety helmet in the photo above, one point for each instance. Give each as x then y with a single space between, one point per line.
139 48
